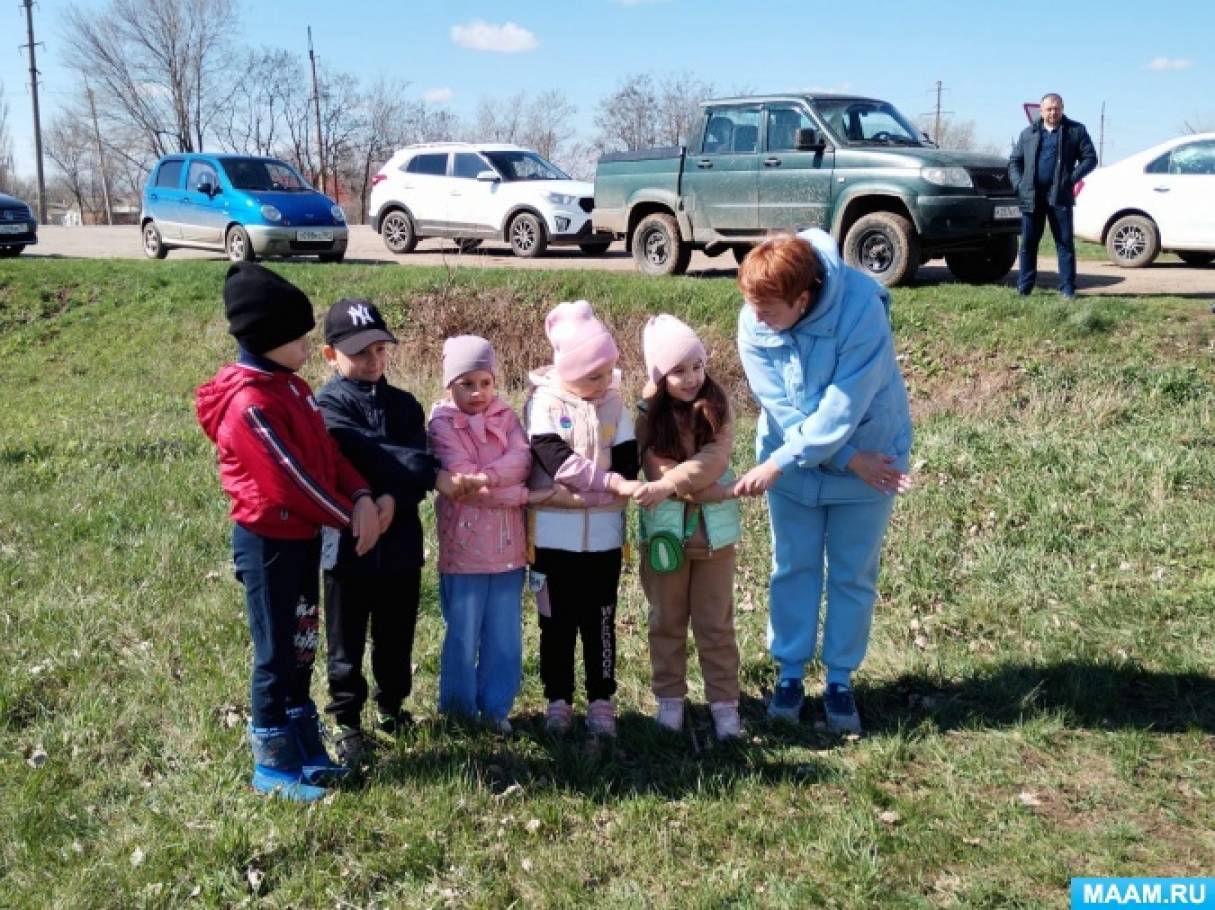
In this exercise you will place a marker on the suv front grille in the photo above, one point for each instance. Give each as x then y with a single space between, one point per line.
992 181
587 204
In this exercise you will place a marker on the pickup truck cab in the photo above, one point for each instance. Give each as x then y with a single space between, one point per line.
850 165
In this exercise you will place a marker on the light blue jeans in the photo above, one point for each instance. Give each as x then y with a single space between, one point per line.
838 544
481 667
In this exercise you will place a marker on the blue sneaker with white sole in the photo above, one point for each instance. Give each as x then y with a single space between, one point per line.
787 701
839 704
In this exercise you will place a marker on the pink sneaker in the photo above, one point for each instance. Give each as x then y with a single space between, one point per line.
601 717
559 717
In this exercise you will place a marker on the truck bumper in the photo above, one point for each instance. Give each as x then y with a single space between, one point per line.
957 222
283 241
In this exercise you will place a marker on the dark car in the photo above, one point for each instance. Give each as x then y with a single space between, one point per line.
18 227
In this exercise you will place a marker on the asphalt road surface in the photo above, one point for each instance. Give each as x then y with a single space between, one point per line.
1166 277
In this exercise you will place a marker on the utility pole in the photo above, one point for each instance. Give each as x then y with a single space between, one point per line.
105 181
1101 139
936 113
29 26
316 96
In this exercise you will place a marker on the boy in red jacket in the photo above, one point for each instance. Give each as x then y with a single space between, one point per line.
286 478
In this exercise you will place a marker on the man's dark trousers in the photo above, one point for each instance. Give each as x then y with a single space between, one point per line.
389 600
1032 225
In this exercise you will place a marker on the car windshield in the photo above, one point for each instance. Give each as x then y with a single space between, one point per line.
860 122
262 175
524 166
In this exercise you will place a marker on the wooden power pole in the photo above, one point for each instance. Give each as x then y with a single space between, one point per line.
29 26
105 181
316 97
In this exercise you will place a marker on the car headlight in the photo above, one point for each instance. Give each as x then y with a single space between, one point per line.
270 213
338 214
947 176
560 198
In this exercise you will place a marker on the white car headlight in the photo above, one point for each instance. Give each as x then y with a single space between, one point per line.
338 214
270 213
560 198
947 176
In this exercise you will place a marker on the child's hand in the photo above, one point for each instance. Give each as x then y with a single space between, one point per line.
387 507
626 488
650 494
365 525
757 480
445 484
877 470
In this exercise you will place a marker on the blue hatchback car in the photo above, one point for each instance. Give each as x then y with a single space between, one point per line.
241 205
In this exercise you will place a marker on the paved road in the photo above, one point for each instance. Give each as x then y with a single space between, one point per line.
1095 277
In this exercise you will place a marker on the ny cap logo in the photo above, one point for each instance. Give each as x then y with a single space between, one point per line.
359 314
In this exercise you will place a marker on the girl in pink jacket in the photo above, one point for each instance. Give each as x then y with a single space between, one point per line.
486 461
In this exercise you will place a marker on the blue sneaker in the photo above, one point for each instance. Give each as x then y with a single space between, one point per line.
840 707
787 700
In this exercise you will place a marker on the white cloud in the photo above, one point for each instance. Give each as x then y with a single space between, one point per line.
507 38
437 95
1170 63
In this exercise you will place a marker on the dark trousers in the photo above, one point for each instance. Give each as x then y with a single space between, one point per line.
389 601
582 590
1032 226
282 581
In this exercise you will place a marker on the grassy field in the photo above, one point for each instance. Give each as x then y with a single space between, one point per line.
1038 694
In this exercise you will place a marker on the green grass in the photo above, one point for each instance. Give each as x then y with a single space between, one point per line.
1037 694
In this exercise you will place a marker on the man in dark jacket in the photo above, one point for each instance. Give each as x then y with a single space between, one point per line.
1048 159
382 430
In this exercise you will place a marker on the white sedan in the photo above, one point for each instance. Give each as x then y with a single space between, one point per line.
1162 199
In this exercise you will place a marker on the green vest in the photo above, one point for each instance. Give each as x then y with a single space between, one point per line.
666 527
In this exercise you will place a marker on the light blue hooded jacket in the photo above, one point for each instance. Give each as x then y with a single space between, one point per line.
828 387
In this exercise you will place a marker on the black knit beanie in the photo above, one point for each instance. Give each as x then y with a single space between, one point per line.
264 310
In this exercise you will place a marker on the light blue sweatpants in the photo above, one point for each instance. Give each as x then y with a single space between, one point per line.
841 544
481 666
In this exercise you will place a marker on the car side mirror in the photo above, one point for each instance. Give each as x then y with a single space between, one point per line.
205 187
808 139
488 177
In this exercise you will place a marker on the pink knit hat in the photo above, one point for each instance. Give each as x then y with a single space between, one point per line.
668 342
465 353
581 343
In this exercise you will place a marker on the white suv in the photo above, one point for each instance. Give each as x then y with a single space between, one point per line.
473 192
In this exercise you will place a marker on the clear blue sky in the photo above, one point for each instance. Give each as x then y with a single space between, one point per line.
1153 66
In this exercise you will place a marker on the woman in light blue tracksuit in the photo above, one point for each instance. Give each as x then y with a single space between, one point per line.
832 446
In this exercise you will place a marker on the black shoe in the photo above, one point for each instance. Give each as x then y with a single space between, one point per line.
395 723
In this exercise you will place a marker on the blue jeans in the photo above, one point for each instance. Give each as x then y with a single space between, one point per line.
282 592
840 544
481 667
1032 226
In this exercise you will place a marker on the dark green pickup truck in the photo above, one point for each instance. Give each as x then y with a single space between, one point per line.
849 165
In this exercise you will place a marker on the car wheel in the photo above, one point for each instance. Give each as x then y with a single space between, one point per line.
332 257
1198 260
528 238
991 263
8 252
398 232
467 244
238 245
1133 242
657 247
884 246
740 251
153 246
595 248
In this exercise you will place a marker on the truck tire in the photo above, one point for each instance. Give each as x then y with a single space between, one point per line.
884 246
657 247
991 263
1133 242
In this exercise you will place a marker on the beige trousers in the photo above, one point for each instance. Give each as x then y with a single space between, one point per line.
702 591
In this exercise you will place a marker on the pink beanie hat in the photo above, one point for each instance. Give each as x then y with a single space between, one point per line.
465 353
668 342
581 343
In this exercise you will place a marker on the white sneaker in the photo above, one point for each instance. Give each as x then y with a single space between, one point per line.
726 722
670 714
601 717
559 717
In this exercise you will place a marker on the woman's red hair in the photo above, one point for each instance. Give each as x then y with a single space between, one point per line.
780 268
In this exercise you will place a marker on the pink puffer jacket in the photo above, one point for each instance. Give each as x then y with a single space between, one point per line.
483 534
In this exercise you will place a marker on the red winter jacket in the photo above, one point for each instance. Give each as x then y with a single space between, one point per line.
277 463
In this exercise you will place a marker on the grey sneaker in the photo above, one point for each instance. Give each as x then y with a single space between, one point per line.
352 747
840 707
670 714
787 700
726 722
601 718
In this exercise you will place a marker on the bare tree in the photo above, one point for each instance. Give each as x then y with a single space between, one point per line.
500 119
157 65
626 118
70 147
1202 123
273 83
7 168
549 124
678 110
381 131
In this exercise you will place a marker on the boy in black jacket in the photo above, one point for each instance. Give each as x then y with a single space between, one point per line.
382 430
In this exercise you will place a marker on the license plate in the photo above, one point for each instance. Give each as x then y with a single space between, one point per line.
314 235
1004 212
13 228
